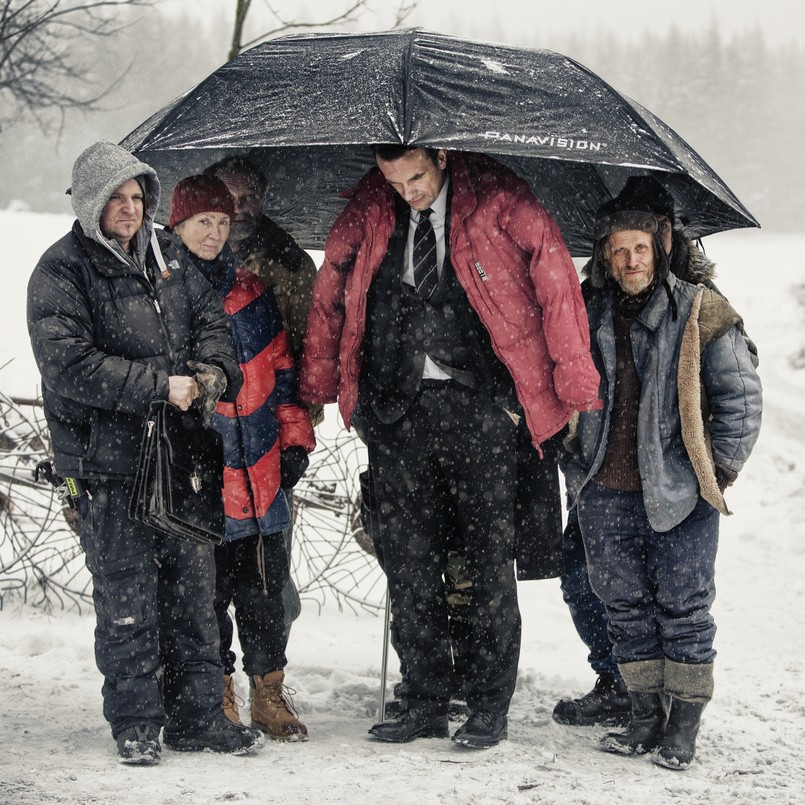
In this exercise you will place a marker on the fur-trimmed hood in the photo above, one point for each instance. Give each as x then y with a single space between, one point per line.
689 262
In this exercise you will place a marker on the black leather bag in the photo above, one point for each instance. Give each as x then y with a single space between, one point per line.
177 489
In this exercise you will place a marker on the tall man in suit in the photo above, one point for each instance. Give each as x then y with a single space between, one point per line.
447 321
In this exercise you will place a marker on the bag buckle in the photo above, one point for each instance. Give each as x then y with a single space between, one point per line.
68 490
195 482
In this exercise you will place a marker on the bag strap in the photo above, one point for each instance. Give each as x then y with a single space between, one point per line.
163 268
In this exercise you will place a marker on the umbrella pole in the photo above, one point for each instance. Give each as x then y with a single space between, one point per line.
385 657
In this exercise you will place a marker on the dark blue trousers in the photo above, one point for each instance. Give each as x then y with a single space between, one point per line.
658 587
156 638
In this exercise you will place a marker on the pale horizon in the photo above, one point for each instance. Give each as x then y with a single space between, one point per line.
781 22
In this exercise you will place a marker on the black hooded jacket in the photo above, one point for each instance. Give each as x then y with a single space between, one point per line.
107 336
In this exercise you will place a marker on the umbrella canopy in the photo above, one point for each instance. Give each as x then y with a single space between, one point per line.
305 108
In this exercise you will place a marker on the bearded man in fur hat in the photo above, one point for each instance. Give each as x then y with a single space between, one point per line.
647 472
608 702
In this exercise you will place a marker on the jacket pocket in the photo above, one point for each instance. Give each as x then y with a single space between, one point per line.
94 436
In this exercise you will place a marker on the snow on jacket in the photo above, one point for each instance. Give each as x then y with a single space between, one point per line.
108 329
699 354
510 259
266 417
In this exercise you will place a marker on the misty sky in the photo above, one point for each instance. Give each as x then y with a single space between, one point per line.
781 21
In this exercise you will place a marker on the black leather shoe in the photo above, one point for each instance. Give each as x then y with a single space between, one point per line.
456 710
394 708
411 724
608 703
482 730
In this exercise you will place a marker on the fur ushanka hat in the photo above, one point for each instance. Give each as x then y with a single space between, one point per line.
636 207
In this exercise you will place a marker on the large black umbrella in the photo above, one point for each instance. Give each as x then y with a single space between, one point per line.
306 107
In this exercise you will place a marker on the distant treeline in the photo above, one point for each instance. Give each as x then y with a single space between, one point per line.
740 103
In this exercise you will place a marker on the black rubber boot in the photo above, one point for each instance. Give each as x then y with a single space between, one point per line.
646 726
678 745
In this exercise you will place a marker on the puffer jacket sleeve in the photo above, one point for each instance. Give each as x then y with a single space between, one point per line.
60 324
559 295
734 395
295 428
320 370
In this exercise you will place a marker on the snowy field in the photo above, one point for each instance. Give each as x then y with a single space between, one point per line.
55 746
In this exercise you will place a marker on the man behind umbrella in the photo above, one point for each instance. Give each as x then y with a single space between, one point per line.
118 318
265 248
647 473
446 317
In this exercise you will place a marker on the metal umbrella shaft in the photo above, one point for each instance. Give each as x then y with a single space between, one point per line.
384 659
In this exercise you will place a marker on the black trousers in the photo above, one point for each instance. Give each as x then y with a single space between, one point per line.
156 639
451 459
258 600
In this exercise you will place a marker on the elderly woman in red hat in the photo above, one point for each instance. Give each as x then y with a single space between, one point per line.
267 436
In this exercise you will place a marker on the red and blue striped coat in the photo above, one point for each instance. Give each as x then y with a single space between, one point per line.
266 417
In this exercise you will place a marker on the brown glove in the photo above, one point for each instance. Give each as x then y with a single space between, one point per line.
212 384
724 477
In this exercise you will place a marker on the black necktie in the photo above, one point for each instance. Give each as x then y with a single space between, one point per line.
426 275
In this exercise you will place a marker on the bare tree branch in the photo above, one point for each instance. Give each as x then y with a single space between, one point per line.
403 12
283 24
40 70
241 12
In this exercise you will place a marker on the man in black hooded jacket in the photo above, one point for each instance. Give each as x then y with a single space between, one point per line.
116 316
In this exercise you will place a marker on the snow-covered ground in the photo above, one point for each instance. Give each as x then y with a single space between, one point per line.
56 748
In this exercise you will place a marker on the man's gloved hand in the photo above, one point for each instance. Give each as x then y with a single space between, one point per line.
212 384
293 463
724 477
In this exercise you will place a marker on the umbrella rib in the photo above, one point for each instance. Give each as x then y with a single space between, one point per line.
407 85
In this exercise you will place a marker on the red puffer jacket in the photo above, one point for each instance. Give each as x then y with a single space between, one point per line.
509 257
265 418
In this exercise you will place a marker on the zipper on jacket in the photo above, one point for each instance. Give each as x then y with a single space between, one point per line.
153 297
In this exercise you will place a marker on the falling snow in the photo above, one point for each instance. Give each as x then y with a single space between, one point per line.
56 748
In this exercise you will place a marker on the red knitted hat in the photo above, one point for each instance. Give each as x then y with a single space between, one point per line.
196 194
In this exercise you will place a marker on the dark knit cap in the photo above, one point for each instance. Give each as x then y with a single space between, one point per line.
197 194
